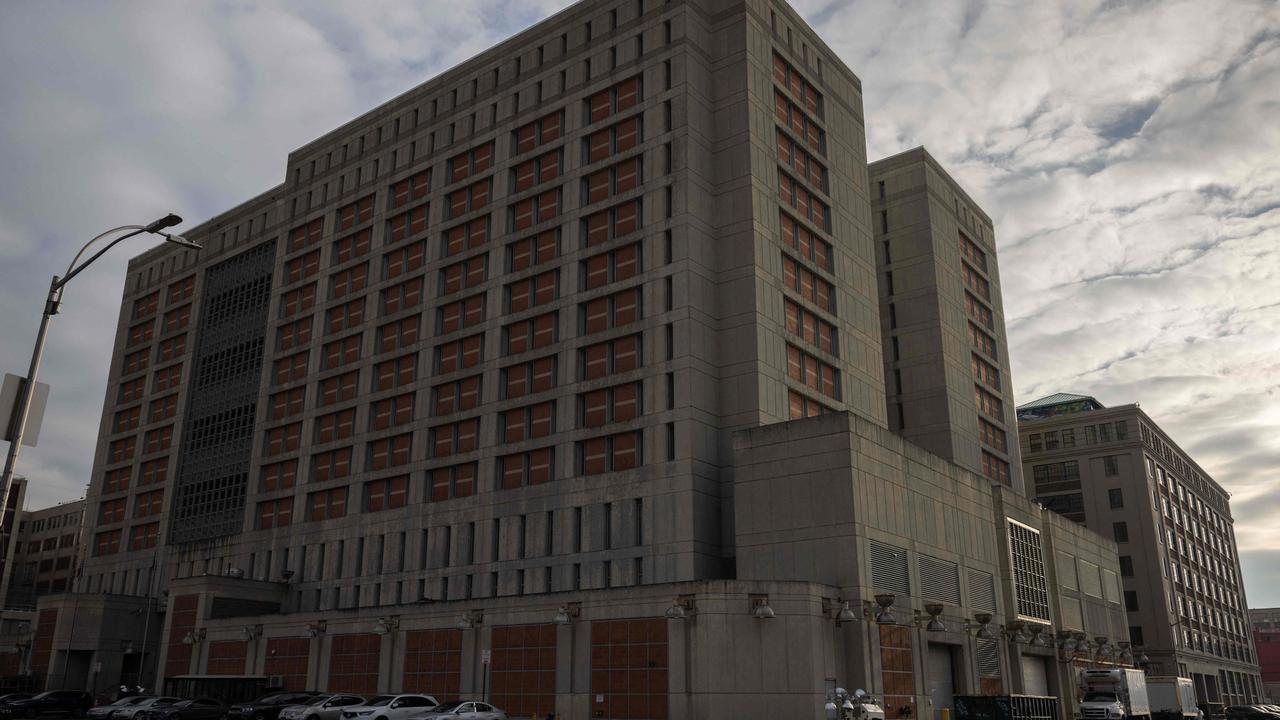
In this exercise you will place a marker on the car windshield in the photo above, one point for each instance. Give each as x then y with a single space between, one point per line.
447 707
314 700
381 701
1100 697
271 699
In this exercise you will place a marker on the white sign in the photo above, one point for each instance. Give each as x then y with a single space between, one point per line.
599 698
485 656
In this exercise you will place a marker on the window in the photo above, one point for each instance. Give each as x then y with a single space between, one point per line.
339 388
609 453
803 406
300 237
529 422
534 171
289 336
993 435
454 438
611 223
411 188
399 297
297 301
275 513
341 352
115 480
285 404
463 275
610 311
391 412
531 251
529 377
327 504
351 247
360 211
531 334
808 245
792 117
804 202
609 405
141 537
981 340
279 476
613 180
1135 635
618 138
175 347
990 404
111 511
1130 600
1111 465
386 494
618 98
1126 566
812 372
107 543
398 335
985 371
331 465
459 354
468 199
148 304
531 211
471 162
1120 530
404 260
539 132
457 395
389 452
452 482
616 356
533 467
532 292
335 426
1030 585
468 235
1116 497
808 326
808 284
785 75
800 163
413 221
995 469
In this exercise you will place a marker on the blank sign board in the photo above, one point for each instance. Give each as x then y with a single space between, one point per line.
9 409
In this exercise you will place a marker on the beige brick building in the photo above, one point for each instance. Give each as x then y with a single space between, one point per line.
1116 472
500 371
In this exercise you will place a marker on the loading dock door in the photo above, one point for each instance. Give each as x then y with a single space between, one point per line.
1035 680
941 678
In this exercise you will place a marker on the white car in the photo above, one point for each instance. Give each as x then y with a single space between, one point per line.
463 710
321 707
391 707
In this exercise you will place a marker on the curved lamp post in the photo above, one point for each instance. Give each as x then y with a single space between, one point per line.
51 305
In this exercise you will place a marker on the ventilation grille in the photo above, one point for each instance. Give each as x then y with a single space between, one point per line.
1110 586
988 656
939 580
1090 583
982 591
1030 588
1067 571
889 569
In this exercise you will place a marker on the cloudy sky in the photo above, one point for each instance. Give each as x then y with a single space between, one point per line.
1129 153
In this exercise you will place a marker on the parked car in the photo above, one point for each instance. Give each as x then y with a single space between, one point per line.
267 707
197 709
391 707
1251 712
469 709
71 703
11 697
103 712
149 702
321 707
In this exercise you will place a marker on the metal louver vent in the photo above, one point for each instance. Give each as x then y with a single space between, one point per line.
1029 585
889 569
988 657
939 580
982 591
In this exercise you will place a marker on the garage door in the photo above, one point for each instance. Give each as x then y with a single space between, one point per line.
1035 680
941 679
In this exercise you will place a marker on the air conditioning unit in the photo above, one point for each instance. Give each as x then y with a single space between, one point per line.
276 681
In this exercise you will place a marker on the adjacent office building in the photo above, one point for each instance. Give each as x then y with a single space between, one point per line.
1265 623
559 379
946 357
1115 471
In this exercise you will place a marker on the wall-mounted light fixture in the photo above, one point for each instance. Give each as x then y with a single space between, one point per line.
249 632
318 628
566 613
386 625
681 608
760 609
194 637
469 620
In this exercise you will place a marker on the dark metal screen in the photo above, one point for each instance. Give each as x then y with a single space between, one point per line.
213 468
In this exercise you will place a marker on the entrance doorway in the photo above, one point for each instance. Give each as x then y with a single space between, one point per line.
1035 678
941 676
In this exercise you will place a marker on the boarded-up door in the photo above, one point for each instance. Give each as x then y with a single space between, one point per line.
1035 680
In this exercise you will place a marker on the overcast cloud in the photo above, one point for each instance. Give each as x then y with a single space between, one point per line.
1127 151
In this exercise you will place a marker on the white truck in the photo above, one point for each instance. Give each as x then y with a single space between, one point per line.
1118 694
1173 698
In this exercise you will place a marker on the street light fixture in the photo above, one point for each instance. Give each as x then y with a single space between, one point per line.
51 305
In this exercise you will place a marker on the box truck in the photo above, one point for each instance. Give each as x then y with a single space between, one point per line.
1173 698
1116 694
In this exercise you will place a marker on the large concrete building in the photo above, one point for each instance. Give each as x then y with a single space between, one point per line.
559 378
946 356
1115 471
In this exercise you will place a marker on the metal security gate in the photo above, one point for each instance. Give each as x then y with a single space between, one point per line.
940 675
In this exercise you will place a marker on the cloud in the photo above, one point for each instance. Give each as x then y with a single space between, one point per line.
1127 152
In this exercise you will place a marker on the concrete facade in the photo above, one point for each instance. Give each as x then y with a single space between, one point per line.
1116 472
531 362
949 388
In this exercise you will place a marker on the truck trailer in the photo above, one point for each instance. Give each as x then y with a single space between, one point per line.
1116 694
1173 698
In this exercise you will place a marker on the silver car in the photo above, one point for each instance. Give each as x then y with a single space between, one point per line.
103 712
463 709
321 707
128 711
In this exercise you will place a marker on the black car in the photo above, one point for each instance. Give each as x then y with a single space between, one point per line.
267 707
1251 712
198 709
71 703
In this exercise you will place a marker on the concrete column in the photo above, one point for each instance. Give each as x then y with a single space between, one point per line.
680 667
389 670
318 663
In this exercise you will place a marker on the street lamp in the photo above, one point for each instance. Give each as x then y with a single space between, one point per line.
51 305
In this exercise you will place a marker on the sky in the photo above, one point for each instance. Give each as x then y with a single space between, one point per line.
1128 153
